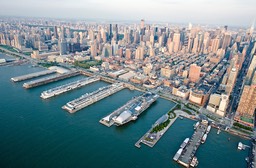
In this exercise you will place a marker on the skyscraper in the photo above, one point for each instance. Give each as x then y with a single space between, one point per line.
139 54
176 40
55 32
63 46
142 27
142 23
110 32
215 44
231 80
247 105
128 54
226 41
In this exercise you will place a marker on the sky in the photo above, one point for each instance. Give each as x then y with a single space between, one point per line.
221 12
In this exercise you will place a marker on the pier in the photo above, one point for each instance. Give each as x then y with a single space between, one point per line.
130 111
90 98
49 79
68 87
150 138
186 156
32 75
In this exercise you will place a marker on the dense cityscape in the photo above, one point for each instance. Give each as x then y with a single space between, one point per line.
208 71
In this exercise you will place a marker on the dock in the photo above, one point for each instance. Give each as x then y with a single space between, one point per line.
130 111
90 98
32 75
68 87
49 79
187 157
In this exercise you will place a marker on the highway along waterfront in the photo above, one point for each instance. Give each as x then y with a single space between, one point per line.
38 133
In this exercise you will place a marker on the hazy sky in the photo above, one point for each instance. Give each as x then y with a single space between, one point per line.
230 12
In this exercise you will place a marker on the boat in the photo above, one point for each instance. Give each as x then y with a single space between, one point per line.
204 138
181 117
177 155
184 144
240 146
208 129
67 87
194 162
218 132
196 125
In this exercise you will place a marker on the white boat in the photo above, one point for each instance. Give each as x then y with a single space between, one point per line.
208 129
218 132
204 138
194 162
177 155
184 144
196 125
240 146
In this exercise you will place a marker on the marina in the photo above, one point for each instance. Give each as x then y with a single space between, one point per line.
49 79
32 75
186 156
130 111
68 87
90 98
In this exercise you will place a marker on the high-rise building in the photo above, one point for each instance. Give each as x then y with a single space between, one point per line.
231 80
226 41
63 46
139 54
55 32
128 54
190 44
142 24
176 40
245 112
110 33
251 69
94 49
152 39
194 73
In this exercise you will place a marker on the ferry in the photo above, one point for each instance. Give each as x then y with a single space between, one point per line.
208 129
177 155
204 138
184 144
194 162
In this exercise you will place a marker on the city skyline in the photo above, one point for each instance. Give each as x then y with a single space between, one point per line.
230 12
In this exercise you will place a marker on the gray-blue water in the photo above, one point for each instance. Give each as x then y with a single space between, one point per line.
38 133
